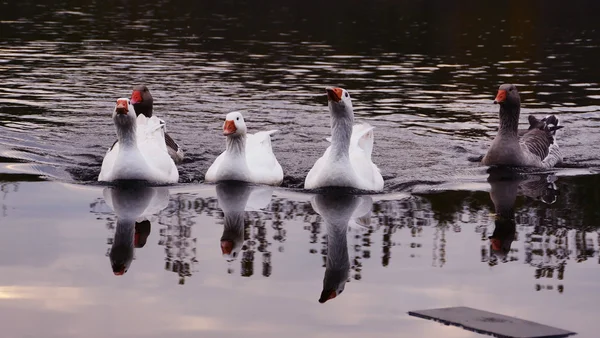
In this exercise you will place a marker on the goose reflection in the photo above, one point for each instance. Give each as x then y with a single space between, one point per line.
339 211
235 198
505 186
133 205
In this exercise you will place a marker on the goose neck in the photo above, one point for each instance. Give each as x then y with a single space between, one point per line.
509 121
236 145
341 132
126 136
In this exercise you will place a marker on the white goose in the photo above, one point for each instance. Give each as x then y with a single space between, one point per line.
247 157
347 161
140 153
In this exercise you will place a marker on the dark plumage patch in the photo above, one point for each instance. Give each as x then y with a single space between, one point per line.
538 142
113 145
171 143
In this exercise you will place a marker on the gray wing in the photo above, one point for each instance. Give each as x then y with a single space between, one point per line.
537 142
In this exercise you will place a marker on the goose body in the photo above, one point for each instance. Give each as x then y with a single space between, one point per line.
247 157
347 161
141 152
535 147
143 103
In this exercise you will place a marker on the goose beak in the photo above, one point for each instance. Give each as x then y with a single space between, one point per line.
122 107
226 247
327 295
136 97
501 97
120 272
334 94
229 127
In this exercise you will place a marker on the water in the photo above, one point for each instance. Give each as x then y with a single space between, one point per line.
423 73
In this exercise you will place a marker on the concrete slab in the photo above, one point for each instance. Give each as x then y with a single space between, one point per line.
490 323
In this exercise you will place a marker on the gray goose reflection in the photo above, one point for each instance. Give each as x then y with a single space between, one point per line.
235 198
339 211
505 186
133 205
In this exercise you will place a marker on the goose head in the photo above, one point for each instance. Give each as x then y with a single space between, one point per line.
234 124
340 103
142 100
120 257
508 96
124 114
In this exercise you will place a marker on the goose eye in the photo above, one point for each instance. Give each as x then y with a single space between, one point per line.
237 118
346 94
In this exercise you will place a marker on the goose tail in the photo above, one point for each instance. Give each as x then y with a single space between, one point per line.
551 124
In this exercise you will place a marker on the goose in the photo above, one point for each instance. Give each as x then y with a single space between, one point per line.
347 161
235 199
339 211
142 101
535 147
141 153
247 157
133 205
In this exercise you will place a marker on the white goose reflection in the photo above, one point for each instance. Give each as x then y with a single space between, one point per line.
133 205
339 211
505 186
235 198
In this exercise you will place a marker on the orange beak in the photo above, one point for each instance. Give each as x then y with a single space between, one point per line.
334 94
136 97
120 272
226 247
501 97
229 127
122 107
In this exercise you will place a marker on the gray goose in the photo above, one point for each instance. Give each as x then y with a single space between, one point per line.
142 102
535 147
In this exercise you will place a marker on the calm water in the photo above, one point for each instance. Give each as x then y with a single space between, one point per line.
206 260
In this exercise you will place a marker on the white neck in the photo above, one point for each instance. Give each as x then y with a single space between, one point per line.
126 136
234 166
341 132
130 162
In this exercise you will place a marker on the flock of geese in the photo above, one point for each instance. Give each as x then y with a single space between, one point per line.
144 150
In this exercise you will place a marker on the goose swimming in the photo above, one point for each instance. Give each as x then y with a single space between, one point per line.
535 147
141 152
347 161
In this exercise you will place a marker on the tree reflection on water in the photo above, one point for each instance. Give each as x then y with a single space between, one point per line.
540 220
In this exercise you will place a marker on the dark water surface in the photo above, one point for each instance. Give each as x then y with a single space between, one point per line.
206 260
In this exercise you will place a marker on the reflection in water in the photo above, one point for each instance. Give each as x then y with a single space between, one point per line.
339 211
547 249
132 206
235 198
176 236
534 224
504 189
5 188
